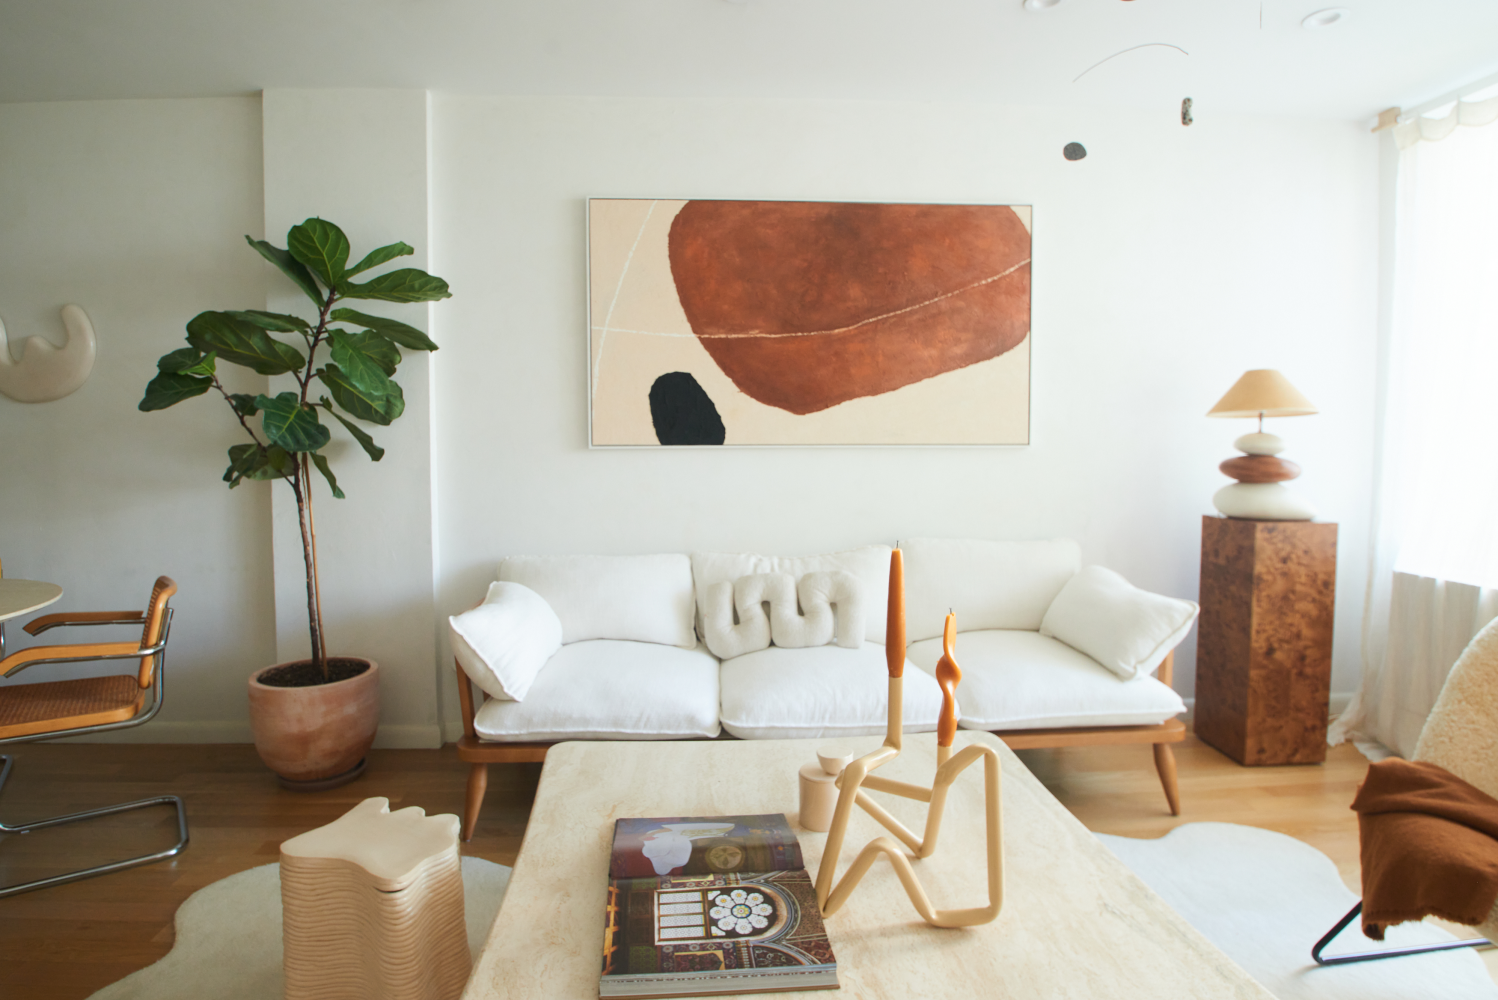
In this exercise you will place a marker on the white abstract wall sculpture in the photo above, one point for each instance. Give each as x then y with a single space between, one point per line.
44 372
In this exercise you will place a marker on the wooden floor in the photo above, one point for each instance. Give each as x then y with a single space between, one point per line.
70 940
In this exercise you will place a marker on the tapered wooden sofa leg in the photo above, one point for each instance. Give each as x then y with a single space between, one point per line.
478 781
1165 763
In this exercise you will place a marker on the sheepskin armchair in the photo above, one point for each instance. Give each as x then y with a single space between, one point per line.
1461 734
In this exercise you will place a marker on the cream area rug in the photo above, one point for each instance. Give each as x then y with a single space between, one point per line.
1265 899
229 937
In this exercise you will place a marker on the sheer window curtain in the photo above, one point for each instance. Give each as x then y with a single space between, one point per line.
1433 580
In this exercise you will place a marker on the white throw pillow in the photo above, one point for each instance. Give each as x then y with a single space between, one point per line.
503 643
637 598
988 584
870 564
747 595
1126 629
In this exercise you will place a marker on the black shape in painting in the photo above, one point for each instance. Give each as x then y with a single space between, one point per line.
682 411
1074 151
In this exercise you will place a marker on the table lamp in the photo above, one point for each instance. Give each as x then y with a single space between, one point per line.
1259 492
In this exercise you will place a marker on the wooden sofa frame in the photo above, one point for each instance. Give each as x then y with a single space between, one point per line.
480 753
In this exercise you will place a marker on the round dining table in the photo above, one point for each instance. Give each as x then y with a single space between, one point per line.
20 597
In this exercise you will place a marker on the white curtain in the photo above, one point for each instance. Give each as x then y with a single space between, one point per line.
1434 549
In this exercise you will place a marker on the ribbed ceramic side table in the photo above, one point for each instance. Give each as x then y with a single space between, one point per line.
373 907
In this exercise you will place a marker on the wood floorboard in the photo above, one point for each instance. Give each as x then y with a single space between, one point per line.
71 940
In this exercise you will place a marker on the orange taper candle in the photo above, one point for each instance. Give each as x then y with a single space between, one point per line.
894 629
948 674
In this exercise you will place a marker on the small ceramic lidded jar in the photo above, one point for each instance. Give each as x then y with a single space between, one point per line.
819 787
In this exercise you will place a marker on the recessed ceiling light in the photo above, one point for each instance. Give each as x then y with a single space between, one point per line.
1325 18
1040 4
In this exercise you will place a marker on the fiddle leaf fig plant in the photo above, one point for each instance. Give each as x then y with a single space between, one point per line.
345 360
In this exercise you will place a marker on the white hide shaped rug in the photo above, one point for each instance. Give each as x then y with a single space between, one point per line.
228 943
1265 899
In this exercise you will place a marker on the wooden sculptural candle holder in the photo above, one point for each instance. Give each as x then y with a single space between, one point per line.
856 780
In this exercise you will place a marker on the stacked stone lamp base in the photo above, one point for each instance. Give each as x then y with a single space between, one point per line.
1259 492
373 907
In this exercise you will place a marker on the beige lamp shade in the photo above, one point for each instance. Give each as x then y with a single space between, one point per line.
1262 392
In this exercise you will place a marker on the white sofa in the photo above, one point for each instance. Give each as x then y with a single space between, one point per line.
622 647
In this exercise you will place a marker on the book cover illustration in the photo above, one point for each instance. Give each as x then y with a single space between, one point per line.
694 935
703 845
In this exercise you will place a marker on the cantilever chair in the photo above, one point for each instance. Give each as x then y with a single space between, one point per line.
1460 735
54 709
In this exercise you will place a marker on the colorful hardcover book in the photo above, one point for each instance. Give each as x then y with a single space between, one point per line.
703 845
702 905
699 935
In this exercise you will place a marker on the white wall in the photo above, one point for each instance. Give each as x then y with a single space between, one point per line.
137 211
1167 262
375 546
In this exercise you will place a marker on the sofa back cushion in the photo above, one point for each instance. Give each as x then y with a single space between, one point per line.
988 584
869 564
639 598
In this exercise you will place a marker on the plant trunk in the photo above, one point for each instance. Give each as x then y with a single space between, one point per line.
314 613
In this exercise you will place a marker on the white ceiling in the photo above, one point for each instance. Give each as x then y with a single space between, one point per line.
1386 52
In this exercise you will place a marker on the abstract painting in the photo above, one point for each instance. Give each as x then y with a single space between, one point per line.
808 323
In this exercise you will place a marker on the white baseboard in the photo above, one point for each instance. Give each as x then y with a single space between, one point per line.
396 737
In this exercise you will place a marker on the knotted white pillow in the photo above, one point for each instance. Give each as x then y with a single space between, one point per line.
747 595
832 603
503 643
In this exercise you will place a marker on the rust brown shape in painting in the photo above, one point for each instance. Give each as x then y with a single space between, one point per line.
805 305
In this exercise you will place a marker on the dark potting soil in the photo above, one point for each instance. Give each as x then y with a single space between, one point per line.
304 673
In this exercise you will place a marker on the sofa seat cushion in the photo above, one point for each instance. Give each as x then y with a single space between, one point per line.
820 691
612 689
1023 680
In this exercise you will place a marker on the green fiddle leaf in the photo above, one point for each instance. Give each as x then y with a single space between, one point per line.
275 322
379 350
204 366
242 343
322 247
171 388
361 369
377 257
243 403
244 459
291 267
327 473
406 285
290 424
374 451
179 360
377 410
401 333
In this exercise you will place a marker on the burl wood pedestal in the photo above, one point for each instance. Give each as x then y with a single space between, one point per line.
1264 647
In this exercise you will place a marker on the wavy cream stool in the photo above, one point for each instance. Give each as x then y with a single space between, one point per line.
373 907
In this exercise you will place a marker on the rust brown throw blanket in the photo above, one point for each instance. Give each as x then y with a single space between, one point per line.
1429 846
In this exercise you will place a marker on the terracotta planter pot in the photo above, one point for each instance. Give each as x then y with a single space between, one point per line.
316 737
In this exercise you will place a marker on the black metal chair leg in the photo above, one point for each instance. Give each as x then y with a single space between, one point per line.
113 866
1368 956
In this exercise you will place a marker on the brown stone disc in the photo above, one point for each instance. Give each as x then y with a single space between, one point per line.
805 305
1259 469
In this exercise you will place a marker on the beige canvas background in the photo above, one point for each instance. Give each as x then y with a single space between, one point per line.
638 332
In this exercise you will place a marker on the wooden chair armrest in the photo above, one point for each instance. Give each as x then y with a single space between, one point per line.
76 651
85 618
465 700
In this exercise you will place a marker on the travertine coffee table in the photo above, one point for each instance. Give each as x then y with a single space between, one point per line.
1075 923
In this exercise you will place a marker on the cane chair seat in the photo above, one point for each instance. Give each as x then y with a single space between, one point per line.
26 709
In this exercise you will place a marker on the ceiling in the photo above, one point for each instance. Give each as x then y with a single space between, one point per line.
1245 56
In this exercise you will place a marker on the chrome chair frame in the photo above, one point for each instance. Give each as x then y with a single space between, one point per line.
158 691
